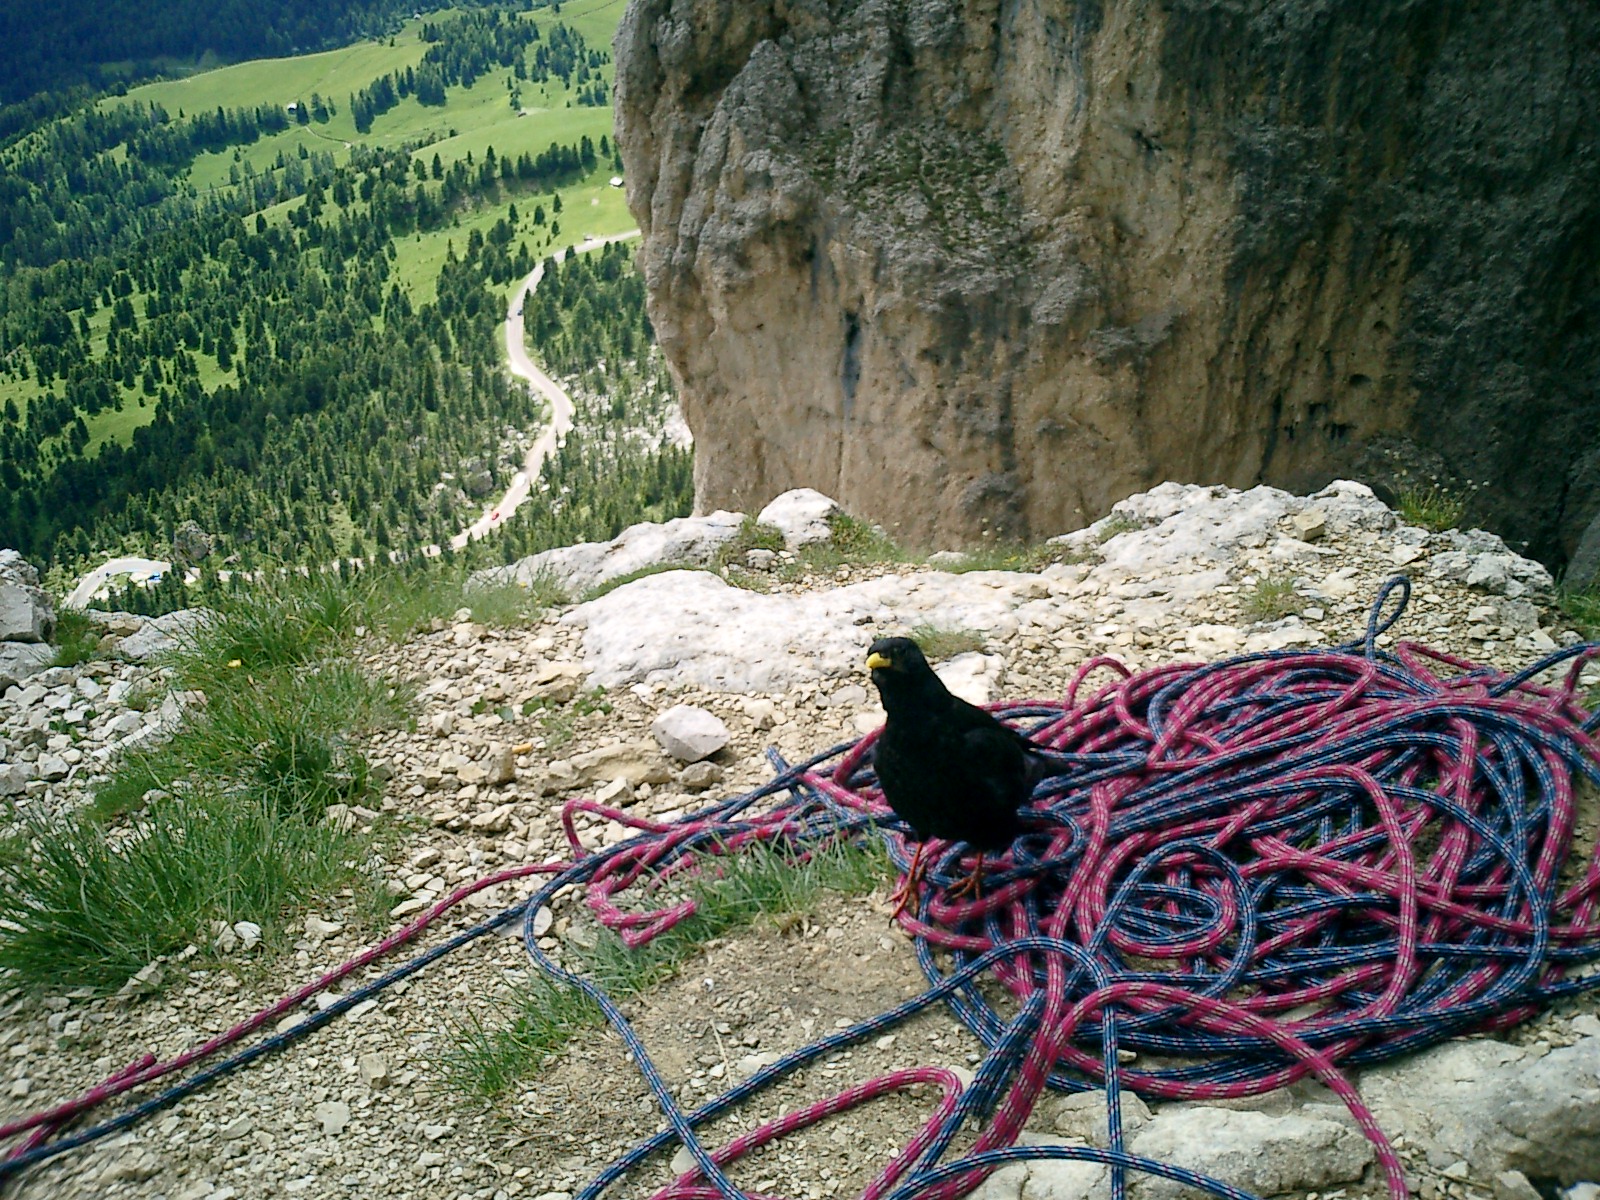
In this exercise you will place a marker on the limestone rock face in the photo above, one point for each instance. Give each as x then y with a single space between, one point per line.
963 264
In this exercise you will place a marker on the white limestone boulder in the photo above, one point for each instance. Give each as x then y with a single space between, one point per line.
589 564
21 660
690 734
164 633
801 515
691 627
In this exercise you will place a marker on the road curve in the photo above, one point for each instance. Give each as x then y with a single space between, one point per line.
560 407
143 569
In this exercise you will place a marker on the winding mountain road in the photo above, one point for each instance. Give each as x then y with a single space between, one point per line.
91 586
560 408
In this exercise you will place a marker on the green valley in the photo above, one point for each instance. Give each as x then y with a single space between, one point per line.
265 300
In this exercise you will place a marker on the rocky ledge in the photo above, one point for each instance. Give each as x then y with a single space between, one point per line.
663 695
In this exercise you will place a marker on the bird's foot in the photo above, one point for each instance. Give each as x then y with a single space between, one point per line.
902 901
970 887
908 887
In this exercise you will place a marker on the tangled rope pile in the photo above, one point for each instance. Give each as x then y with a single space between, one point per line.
1247 872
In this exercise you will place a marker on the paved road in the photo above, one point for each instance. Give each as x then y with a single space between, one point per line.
560 408
140 570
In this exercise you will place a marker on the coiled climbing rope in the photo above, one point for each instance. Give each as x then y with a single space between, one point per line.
1246 872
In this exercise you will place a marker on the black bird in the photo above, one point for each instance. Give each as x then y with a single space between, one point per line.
947 768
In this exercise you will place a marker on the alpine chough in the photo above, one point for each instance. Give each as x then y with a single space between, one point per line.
947 768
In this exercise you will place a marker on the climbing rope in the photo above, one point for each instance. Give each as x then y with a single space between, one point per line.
1245 873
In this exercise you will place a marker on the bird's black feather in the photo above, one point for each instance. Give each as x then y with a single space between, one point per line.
946 767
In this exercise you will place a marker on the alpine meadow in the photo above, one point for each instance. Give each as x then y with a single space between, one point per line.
256 309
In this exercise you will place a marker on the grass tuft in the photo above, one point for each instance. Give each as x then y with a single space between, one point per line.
852 543
946 643
752 535
1582 608
1013 556
611 585
1434 507
558 722
281 735
489 1057
1272 599
400 603
80 910
1115 524
77 638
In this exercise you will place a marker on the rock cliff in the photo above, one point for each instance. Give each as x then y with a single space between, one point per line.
999 263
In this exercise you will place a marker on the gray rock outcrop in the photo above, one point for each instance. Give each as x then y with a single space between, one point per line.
588 564
963 264
26 614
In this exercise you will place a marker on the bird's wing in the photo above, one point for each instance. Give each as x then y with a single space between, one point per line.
994 764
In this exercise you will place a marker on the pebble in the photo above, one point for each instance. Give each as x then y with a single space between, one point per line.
333 1115
374 1069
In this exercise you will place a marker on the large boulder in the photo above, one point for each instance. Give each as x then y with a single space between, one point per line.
588 564
801 515
19 660
163 633
26 614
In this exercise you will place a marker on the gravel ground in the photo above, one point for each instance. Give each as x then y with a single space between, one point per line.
364 1107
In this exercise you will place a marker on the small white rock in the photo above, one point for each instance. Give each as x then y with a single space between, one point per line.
690 734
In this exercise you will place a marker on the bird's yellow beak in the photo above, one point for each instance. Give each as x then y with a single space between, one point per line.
874 661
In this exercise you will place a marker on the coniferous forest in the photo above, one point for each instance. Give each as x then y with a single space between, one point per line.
52 45
277 356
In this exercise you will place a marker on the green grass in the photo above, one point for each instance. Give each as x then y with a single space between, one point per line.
1272 599
592 206
852 542
1117 523
490 1056
229 811
946 643
1434 507
79 910
334 73
1582 608
1012 556
558 723
398 604
729 560
282 700
283 735
611 585
76 638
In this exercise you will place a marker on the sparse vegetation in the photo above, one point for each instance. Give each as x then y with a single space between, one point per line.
224 821
1272 599
946 643
76 638
853 543
752 535
1117 522
558 722
1013 556
1582 608
1433 507
611 585
490 1056
401 604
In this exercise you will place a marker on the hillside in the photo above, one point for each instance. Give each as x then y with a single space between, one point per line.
441 1083
56 44
262 301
